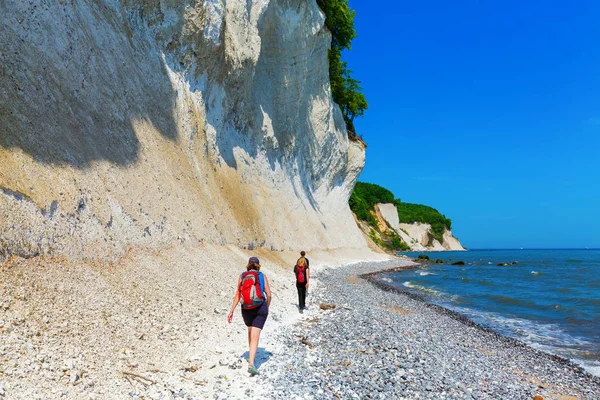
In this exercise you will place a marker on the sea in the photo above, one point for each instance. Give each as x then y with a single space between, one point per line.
549 299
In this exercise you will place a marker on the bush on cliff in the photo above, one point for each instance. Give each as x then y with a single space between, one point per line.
346 91
373 194
359 206
364 197
362 203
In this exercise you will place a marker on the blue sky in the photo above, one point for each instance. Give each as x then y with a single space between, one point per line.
488 111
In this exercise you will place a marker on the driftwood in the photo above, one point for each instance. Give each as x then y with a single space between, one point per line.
307 343
139 378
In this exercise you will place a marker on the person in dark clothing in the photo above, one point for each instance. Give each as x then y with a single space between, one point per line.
302 272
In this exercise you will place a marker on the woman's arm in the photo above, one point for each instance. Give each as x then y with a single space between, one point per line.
307 276
267 291
236 300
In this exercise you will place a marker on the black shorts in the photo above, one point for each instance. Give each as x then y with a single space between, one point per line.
256 317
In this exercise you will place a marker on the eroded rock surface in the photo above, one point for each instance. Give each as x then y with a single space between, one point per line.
140 123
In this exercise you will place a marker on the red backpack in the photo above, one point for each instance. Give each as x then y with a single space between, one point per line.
300 271
251 292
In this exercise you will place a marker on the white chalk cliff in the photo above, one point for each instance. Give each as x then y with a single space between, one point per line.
150 122
417 235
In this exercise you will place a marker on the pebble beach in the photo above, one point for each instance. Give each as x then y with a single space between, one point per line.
145 331
359 340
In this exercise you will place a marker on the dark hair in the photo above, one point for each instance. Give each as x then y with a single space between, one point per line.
302 253
255 266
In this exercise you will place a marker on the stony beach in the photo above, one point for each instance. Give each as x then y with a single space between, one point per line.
378 344
151 325
154 327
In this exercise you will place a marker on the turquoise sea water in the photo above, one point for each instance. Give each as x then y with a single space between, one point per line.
550 299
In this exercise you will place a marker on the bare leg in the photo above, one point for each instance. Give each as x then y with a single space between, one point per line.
254 336
249 335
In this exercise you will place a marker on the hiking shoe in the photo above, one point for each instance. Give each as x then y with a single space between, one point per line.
301 311
252 370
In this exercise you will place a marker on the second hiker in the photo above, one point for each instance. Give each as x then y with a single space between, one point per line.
302 279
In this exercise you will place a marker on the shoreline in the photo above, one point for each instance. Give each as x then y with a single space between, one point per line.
386 343
383 285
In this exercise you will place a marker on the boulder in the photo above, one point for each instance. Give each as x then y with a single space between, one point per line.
458 263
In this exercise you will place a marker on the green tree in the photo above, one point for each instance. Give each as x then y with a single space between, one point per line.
346 91
339 19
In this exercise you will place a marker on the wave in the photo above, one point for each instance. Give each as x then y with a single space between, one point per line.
593 368
509 300
420 288
583 301
529 304
546 337
425 273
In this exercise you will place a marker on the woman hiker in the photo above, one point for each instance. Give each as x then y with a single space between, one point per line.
302 278
255 294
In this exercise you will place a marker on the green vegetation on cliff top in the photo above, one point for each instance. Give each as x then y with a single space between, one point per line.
346 91
366 195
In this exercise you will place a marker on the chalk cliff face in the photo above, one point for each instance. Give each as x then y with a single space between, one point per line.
416 235
146 122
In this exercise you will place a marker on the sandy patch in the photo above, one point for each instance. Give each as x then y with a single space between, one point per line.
396 309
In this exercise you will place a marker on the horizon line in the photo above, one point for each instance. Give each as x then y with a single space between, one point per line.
504 248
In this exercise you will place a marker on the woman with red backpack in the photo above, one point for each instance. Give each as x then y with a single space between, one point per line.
302 277
255 294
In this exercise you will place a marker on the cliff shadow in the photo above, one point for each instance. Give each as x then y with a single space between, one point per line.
76 90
